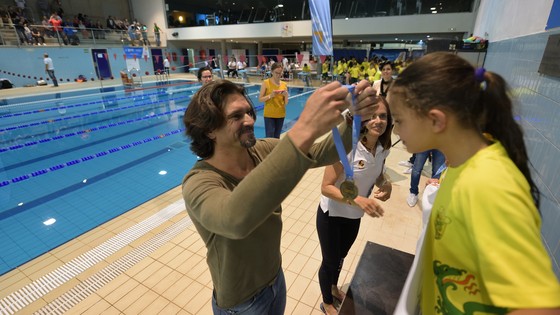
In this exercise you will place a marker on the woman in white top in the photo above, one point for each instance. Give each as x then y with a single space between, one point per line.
232 68
338 220
382 86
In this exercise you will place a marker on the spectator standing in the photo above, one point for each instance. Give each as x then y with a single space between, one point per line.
132 33
49 68
166 65
144 30
111 23
274 94
56 23
214 63
157 31
419 160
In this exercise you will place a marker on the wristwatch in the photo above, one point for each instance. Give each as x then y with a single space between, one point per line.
347 115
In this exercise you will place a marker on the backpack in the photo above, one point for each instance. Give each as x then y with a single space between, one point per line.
5 84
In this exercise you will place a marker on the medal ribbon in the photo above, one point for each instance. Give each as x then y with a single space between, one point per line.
357 124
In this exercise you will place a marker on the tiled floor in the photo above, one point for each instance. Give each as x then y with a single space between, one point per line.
166 273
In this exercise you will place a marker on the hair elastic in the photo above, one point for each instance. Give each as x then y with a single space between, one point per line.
479 77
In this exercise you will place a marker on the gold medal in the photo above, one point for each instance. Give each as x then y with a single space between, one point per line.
349 190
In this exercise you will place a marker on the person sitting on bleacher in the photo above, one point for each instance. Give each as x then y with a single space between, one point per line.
37 35
69 35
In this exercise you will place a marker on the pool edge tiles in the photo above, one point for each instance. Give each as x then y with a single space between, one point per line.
18 300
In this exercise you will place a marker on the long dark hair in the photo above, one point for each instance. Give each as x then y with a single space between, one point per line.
205 114
480 102
385 138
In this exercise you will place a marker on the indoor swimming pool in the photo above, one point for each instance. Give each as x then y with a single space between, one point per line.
71 161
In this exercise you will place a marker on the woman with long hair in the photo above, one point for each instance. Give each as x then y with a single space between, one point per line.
274 94
338 219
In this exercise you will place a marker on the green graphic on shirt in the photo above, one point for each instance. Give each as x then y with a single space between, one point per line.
441 222
449 278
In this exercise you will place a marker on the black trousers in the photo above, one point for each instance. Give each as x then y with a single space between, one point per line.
336 236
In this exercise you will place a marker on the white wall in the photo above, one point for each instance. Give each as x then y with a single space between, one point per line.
426 23
505 19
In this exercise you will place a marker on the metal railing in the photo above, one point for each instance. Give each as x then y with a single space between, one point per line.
70 35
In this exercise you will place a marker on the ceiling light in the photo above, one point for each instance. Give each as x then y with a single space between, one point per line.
346 18
434 12
433 8
162 172
84 181
20 204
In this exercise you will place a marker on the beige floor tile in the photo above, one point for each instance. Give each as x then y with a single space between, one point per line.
199 300
299 285
13 281
175 291
312 294
297 263
192 262
131 297
290 305
143 302
87 303
290 278
298 243
101 307
170 308
121 291
187 295
309 247
302 308
159 276
311 268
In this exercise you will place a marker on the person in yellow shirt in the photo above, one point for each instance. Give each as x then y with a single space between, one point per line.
371 71
274 94
353 73
325 71
365 63
483 252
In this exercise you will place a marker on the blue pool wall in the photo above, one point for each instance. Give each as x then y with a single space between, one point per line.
24 66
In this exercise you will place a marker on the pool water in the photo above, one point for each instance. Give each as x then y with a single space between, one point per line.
72 161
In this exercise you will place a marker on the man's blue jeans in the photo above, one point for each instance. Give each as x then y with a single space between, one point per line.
53 77
273 127
437 161
270 300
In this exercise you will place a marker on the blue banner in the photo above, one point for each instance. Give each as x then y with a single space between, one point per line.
321 27
133 52
554 17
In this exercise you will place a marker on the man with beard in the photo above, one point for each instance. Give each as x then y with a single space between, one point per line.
233 194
